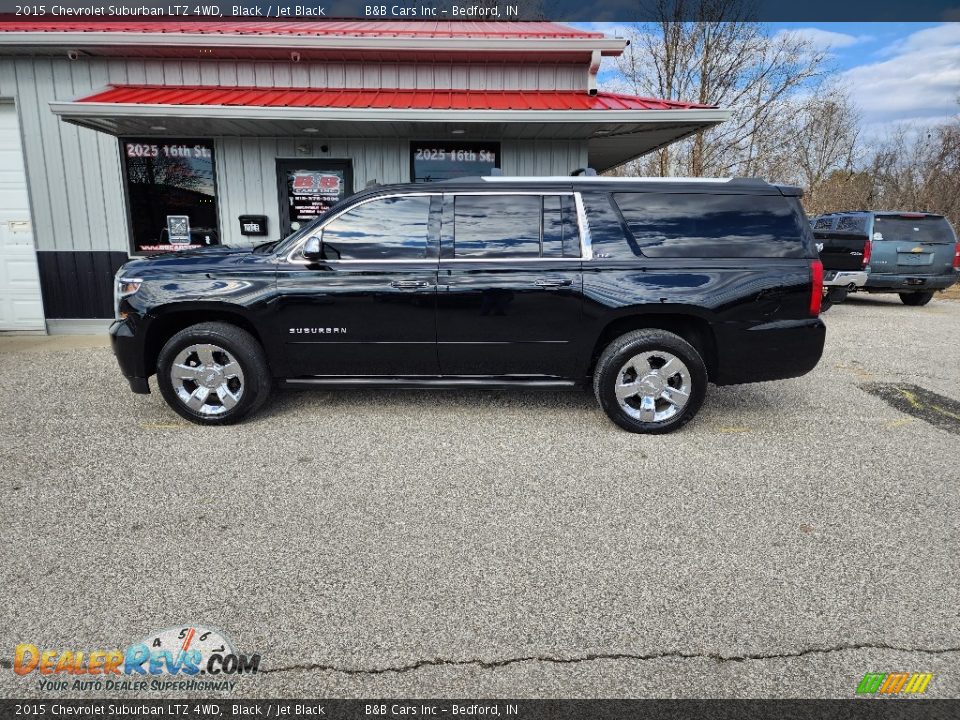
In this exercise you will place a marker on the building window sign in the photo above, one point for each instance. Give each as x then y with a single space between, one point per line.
178 229
313 192
171 194
308 188
436 161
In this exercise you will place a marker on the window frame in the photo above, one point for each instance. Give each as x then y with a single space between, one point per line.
429 242
639 248
463 145
124 179
435 250
295 255
448 240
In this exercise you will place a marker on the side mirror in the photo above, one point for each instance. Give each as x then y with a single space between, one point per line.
313 248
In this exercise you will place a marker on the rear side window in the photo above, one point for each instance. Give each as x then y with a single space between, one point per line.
385 229
705 226
514 226
906 229
561 238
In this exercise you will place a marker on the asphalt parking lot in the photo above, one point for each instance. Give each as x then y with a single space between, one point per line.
491 544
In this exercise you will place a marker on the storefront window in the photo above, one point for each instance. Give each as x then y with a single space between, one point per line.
171 194
435 161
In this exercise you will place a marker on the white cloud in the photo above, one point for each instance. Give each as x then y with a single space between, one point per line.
918 81
824 39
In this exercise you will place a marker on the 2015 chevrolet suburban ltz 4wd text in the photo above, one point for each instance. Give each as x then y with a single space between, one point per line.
643 289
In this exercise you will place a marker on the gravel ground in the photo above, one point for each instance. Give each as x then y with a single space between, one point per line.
481 544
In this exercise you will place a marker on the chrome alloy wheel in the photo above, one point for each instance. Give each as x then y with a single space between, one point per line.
207 379
653 386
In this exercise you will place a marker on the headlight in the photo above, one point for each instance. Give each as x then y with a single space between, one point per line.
123 287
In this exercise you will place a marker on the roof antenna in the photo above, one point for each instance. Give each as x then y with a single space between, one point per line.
372 183
588 172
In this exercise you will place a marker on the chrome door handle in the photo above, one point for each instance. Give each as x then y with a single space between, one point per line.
550 283
409 284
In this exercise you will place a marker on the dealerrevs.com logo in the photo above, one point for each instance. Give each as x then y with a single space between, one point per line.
172 659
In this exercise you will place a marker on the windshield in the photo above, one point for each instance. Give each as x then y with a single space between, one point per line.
927 229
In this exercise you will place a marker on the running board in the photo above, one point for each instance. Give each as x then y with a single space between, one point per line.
432 381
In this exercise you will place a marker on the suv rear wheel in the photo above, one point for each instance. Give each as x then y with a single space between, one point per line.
916 298
213 373
650 381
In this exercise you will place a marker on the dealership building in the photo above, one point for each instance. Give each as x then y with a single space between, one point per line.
122 139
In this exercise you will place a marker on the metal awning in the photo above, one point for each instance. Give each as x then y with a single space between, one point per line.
617 127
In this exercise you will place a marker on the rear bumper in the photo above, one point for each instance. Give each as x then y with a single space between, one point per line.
845 278
772 351
880 282
127 348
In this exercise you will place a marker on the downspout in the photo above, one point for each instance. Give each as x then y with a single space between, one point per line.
592 72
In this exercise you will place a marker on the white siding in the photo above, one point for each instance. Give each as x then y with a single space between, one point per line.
74 174
543 157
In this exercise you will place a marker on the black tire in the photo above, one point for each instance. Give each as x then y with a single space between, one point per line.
614 358
245 350
915 299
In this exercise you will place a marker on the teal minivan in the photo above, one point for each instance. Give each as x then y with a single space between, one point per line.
913 254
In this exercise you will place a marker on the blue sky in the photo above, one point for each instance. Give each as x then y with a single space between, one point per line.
896 72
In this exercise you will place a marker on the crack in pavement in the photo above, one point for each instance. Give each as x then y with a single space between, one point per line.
589 657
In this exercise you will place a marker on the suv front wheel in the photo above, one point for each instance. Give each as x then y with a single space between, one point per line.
213 373
650 381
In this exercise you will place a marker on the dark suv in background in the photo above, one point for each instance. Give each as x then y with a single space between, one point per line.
642 290
913 254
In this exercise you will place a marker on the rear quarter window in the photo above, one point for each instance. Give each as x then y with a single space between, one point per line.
697 225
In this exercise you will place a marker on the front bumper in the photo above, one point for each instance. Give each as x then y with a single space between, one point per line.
845 278
879 282
127 347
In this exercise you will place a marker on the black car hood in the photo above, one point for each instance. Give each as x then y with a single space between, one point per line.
209 259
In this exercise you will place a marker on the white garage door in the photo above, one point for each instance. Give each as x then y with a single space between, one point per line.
20 305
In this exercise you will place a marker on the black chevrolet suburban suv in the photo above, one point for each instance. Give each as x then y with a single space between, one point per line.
644 290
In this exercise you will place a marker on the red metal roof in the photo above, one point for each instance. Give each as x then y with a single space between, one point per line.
365 29
380 98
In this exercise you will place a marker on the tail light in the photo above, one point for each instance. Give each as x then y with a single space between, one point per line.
867 251
956 256
816 289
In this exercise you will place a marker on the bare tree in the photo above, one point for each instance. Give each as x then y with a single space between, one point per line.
709 52
824 133
919 169
910 169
